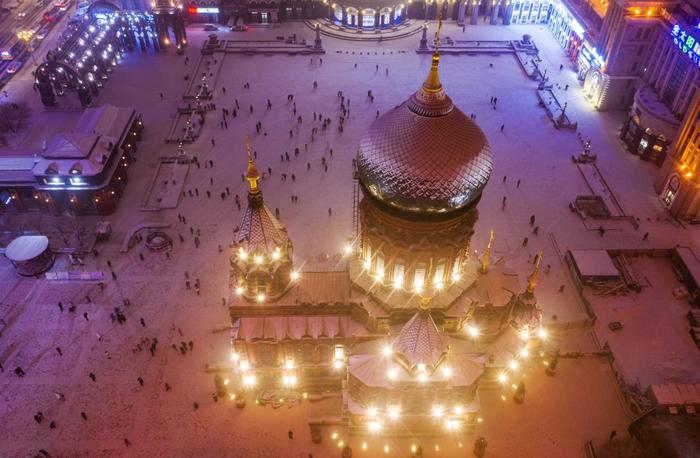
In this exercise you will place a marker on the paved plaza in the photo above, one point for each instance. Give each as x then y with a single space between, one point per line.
532 170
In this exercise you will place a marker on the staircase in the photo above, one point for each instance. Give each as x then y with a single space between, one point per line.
355 206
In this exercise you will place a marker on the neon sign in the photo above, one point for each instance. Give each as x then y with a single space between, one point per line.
686 43
200 10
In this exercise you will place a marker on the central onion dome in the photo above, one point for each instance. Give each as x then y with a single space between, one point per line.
425 155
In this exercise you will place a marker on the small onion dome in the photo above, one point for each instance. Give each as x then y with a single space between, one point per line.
425 155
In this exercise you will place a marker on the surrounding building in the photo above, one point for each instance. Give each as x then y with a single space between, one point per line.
400 323
79 172
669 83
678 182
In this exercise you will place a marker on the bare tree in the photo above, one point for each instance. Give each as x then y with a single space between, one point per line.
13 117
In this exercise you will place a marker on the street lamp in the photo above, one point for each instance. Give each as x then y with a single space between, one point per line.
26 37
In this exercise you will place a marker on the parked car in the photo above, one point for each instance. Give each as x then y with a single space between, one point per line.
211 28
239 28
14 67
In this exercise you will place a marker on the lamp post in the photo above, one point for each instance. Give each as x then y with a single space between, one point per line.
26 37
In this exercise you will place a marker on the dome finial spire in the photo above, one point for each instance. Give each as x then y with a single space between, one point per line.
252 175
432 82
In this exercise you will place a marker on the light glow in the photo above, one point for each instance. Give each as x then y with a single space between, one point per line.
375 426
294 275
438 411
447 371
502 377
249 380
473 331
450 425
387 351
394 412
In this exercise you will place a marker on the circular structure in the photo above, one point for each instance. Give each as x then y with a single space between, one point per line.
425 155
158 241
30 254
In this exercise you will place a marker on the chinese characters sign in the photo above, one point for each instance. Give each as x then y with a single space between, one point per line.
686 43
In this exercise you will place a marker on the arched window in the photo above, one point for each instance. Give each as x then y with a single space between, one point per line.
338 12
368 258
399 272
379 265
352 16
368 17
439 276
385 14
419 277
456 270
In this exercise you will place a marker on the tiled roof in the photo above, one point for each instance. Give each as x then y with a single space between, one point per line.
260 231
420 341
425 155
313 288
277 328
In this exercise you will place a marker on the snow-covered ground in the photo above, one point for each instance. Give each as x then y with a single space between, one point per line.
559 414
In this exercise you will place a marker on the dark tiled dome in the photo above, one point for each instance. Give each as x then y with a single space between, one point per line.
425 156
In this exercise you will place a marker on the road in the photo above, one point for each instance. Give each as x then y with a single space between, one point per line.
29 15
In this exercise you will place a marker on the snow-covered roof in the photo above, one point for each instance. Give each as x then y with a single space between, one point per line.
368 363
85 150
594 263
71 145
278 328
26 247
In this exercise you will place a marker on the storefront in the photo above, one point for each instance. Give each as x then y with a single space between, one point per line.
587 59
567 31
644 142
203 13
366 18
530 12
649 127
263 13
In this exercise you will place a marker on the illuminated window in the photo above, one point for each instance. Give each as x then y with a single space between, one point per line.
399 270
379 264
439 276
419 277
368 18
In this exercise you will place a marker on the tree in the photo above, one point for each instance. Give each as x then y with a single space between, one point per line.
13 117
